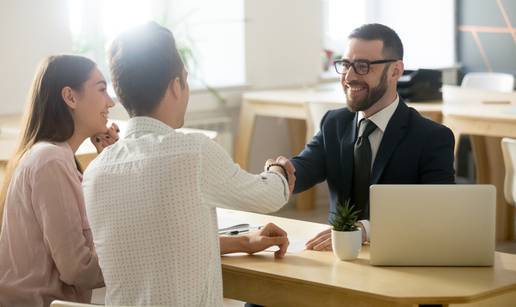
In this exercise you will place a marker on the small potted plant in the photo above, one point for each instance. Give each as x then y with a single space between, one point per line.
346 236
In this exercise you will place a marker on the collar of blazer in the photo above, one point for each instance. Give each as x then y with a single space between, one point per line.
394 133
348 128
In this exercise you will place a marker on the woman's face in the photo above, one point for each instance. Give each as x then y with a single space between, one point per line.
92 105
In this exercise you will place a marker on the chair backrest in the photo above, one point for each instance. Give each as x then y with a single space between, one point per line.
509 158
58 303
489 81
316 111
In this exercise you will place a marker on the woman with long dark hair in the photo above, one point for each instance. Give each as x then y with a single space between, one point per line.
46 248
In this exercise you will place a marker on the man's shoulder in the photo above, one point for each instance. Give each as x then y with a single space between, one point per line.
151 147
425 125
339 114
338 117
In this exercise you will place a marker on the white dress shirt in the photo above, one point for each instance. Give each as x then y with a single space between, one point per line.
150 200
381 120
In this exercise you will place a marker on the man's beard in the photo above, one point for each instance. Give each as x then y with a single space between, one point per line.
373 95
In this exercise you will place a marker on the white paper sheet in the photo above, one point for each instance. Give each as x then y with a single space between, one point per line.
296 245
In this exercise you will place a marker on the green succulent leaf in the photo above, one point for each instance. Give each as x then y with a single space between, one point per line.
345 217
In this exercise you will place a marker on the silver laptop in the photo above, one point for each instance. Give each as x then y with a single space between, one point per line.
432 225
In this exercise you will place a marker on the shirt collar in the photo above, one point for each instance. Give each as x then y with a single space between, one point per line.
142 124
382 117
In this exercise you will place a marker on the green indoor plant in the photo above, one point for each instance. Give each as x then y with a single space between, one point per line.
346 235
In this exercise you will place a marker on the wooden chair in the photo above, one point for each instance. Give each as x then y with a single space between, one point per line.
509 159
489 81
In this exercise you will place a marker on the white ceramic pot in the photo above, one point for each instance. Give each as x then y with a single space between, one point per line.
346 244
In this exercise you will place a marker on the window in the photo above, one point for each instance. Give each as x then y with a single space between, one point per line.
209 33
426 27
340 22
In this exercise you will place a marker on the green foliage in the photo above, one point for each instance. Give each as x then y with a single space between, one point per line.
345 218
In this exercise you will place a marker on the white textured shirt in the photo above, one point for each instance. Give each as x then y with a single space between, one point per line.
150 200
381 120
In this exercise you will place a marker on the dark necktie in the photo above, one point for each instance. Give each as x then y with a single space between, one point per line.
362 157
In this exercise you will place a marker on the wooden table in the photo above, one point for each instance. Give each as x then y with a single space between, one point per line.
487 124
319 279
291 105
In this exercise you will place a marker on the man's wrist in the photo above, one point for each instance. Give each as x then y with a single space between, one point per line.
234 244
278 168
365 224
244 243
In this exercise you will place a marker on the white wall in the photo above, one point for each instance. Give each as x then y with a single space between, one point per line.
434 20
283 42
283 48
30 30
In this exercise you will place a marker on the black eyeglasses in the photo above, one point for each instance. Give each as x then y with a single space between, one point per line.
361 67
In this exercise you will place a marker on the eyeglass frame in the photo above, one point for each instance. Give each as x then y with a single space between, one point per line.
352 64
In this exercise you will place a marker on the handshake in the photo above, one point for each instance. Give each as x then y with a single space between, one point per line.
284 167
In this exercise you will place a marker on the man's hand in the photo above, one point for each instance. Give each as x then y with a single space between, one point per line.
289 167
321 242
103 140
270 235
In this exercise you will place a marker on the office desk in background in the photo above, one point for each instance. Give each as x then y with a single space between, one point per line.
314 278
486 125
291 105
10 127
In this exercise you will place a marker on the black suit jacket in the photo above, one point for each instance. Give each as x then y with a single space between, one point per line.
413 150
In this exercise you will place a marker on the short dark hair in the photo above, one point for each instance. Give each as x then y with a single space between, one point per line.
392 46
143 61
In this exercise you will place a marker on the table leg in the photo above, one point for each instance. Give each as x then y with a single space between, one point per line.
244 135
85 159
478 146
298 135
456 136
490 170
